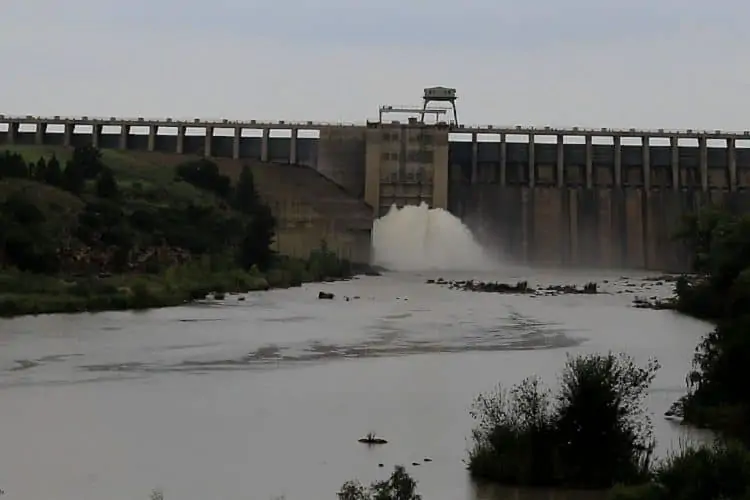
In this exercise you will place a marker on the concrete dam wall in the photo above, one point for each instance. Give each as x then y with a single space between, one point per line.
599 205
558 197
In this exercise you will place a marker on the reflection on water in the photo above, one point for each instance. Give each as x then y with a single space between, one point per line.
268 396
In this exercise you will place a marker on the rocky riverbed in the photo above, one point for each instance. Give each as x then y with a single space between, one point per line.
648 292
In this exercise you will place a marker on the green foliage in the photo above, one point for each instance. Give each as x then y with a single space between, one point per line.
172 247
24 241
73 177
593 433
257 238
126 226
718 397
400 486
325 264
246 197
53 173
12 165
204 174
717 472
89 160
720 243
28 293
106 185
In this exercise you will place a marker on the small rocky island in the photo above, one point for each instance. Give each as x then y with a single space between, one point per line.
520 287
371 438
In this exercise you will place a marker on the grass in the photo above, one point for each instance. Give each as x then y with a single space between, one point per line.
29 294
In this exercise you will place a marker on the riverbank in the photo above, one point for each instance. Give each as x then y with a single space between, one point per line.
23 293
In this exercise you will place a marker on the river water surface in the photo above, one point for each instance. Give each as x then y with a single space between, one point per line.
268 396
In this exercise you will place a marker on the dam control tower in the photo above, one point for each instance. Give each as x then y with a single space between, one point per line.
439 94
407 163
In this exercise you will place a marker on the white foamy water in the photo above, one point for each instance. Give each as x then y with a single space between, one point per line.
420 238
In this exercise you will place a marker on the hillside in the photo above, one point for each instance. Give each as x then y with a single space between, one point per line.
307 206
96 220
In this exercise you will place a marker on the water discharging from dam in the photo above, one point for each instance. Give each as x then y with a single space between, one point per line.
418 238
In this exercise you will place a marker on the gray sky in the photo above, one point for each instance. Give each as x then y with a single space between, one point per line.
640 63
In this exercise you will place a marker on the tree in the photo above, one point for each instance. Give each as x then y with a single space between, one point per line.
246 198
38 171
400 486
204 174
255 246
53 174
717 396
25 242
106 185
594 433
13 165
73 179
603 430
89 161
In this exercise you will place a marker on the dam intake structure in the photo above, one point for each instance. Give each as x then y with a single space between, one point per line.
538 196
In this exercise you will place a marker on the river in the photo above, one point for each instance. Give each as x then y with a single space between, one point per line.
267 396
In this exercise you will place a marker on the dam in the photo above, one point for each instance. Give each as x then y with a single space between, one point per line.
534 195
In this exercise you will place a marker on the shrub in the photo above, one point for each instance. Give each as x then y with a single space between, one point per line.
400 486
593 433
719 471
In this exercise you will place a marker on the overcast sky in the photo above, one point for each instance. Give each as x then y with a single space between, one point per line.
640 63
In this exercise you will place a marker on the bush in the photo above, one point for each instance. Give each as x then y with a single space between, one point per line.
593 433
717 396
400 486
720 471
324 263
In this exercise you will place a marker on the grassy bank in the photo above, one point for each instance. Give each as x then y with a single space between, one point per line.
23 293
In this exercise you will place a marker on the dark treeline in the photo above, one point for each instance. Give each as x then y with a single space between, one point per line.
125 225
80 219
719 397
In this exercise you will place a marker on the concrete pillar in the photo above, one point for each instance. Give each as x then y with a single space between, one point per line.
293 147
532 162
617 145
732 163
674 144
646 149
180 140
474 158
589 162
373 138
236 143
503 161
12 132
560 160
440 177
68 134
264 140
703 162
124 133
152 131
208 142
96 135
41 130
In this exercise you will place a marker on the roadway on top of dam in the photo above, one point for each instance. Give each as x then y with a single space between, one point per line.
316 125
